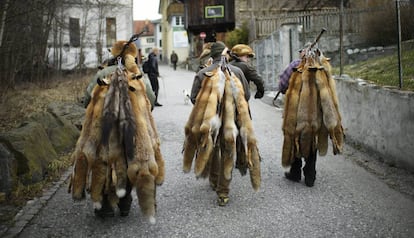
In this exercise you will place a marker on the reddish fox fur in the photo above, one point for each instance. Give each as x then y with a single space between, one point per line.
220 123
311 110
116 120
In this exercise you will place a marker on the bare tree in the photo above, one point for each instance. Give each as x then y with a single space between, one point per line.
25 26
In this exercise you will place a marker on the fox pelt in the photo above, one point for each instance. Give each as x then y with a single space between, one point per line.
118 142
311 112
219 119
128 52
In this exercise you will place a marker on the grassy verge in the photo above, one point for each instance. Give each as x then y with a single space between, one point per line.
383 71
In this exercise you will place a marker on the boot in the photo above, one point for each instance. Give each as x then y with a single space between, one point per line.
124 203
156 103
295 173
222 200
106 210
309 170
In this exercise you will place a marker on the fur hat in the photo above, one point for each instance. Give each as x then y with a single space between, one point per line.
217 48
242 49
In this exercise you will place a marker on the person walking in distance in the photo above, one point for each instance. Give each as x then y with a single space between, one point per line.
153 74
174 59
241 55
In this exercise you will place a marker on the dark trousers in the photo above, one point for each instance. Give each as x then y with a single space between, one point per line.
217 179
175 65
154 85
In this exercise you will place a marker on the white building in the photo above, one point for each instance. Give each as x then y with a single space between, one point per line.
174 35
83 31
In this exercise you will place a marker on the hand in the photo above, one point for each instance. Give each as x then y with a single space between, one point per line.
259 94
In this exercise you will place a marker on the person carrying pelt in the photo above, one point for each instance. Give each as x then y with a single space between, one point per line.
241 55
218 181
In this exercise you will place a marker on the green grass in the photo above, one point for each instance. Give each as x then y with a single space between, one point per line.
383 71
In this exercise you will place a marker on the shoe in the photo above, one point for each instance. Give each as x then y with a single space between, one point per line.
309 181
223 200
157 104
104 212
292 177
124 205
295 172
310 178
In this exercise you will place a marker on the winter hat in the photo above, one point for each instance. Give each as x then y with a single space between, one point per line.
217 48
242 49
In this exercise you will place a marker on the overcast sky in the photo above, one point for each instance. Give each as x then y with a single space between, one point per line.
146 9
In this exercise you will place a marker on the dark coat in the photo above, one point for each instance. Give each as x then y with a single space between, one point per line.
251 75
174 58
153 73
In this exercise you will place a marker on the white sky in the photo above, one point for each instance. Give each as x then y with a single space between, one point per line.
146 9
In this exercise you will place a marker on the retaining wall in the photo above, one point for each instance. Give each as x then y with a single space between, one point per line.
378 118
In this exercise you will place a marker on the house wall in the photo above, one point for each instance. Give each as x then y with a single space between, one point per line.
89 19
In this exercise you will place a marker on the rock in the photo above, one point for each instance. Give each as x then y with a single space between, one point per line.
72 112
61 133
27 151
32 149
6 161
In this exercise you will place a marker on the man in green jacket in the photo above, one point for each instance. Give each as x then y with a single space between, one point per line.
241 55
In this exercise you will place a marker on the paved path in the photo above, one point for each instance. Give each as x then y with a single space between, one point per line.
346 201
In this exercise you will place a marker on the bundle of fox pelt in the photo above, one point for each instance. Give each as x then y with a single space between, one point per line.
311 111
118 142
220 117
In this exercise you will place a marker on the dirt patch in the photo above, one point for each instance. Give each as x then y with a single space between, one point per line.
29 98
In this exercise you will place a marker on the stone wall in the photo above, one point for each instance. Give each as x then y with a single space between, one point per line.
379 119
27 151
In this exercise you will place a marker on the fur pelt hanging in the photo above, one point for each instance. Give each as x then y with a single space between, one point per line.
118 142
221 118
311 112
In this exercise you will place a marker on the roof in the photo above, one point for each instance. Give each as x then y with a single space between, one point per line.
140 24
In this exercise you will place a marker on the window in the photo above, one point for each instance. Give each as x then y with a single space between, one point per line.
178 21
150 40
110 31
74 32
214 11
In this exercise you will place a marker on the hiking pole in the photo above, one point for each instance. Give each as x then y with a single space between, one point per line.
274 99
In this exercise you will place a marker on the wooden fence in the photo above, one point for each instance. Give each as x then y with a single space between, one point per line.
312 21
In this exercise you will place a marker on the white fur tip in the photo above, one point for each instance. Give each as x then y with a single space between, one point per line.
121 192
152 220
97 205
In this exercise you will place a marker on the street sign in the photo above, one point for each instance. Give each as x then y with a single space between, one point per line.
202 35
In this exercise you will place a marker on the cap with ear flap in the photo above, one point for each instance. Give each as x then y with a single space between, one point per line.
217 48
242 49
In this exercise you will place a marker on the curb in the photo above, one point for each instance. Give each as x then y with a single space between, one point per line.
32 207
